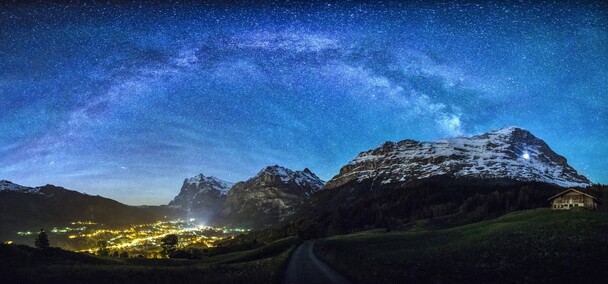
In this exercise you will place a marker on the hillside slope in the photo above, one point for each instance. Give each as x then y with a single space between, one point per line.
534 246
24 264
47 206
445 199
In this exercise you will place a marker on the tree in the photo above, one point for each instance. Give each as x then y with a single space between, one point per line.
102 248
169 243
42 241
124 254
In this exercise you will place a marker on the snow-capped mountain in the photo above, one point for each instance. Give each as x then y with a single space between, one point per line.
508 153
202 183
9 186
270 196
305 179
202 196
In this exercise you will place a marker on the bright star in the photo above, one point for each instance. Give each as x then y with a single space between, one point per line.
526 155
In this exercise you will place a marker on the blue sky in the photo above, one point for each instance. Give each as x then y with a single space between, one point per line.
127 100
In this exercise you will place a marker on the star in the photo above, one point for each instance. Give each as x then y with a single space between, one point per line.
166 92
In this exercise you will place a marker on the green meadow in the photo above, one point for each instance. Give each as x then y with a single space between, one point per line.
23 264
533 246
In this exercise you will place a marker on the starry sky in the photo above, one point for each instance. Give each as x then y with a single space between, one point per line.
127 100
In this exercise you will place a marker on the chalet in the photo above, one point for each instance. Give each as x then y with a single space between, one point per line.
572 198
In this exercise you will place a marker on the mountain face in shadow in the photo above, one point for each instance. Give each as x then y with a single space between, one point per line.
202 197
269 197
46 206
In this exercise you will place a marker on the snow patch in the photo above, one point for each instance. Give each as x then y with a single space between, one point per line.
9 186
301 178
510 152
202 182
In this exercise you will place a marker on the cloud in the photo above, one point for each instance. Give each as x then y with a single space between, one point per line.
125 85
398 77
91 110
379 72
286 41
364 82
186 58
451 124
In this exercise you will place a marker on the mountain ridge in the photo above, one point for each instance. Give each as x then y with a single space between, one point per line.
510 152
202 197
270 196
11 186
49 205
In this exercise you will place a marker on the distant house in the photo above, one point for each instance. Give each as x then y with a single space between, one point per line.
572 198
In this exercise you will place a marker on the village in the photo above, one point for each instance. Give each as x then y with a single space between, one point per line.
138 240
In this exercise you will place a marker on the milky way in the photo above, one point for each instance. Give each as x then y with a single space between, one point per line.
127 100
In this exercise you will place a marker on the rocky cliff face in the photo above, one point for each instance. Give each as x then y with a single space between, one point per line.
273 194
202 197
509 153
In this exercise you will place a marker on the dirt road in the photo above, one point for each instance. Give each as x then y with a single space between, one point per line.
304 267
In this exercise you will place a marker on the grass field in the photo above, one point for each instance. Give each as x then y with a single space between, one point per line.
534 246
21 264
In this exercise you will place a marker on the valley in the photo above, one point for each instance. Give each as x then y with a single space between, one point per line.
137 240
304 142
457 210
520 247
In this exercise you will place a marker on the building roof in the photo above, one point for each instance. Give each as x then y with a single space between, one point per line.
568 190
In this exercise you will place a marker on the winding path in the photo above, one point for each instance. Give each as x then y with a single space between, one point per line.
304 268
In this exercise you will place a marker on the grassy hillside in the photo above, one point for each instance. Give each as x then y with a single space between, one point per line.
449 200
534 246
22 264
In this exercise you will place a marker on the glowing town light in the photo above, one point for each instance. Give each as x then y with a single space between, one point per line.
526 156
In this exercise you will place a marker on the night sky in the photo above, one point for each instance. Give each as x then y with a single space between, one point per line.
127 100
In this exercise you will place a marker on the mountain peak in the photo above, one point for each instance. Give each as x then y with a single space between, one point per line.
275 170
508 130
301 178
201 178
201 182
202 195
507 153
10 186
196 179
270 196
